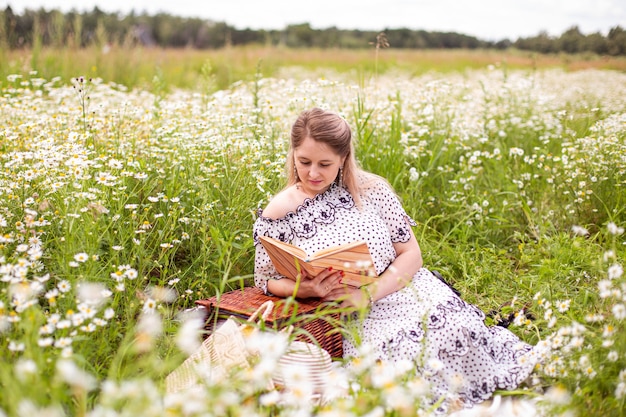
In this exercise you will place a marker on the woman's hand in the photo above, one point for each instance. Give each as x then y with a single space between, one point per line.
320 286
350 297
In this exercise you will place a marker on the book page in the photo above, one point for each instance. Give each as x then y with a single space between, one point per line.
340 248
287 259
353 259
293 250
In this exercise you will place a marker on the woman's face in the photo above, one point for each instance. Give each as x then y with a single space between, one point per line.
317 165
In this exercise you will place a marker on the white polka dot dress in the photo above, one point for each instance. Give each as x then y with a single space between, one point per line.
426 322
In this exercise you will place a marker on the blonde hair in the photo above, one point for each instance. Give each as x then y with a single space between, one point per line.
331 129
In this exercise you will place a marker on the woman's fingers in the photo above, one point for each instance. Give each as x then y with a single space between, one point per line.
327 281
333 280
337 294
320 285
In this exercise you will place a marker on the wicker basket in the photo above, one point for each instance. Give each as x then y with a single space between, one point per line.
313 320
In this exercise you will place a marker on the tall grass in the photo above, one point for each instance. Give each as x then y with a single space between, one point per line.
186 68
121 207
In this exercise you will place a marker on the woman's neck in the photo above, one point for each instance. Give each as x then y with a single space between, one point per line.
305 193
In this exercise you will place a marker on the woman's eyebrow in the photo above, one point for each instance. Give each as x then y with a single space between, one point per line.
302 158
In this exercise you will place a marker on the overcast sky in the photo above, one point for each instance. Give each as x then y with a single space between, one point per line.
485 19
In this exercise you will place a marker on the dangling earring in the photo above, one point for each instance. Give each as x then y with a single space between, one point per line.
341 176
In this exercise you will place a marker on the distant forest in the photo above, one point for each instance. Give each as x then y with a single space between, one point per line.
38 28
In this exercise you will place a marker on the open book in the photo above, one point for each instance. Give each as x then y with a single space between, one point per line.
354 259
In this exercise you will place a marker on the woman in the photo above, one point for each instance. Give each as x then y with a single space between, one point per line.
412 314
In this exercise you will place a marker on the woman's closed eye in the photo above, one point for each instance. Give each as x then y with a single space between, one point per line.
321 165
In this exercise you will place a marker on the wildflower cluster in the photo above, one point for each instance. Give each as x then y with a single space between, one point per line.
117 214
584 352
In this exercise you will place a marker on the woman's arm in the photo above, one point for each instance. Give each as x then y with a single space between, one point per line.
401 271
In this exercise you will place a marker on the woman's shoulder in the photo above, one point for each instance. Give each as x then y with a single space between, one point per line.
372 183
282 203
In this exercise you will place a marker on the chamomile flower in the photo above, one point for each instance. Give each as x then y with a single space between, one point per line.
109 313
149 305
130 273
81 257
16 346
45 342
25 368
615 271
614 229
608 255
563 305
69 372
64 286
552 322
188 336
619 311
163 294
558 394
580 231
21 248
434 365
604 288
301 387
589 372
594 318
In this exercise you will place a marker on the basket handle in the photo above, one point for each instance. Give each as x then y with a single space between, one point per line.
265 308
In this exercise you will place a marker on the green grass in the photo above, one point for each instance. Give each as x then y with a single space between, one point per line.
158 188
209 70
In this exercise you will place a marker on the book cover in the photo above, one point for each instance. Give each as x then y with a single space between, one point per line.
352 258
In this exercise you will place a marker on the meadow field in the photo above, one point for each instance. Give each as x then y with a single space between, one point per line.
192 68
122 202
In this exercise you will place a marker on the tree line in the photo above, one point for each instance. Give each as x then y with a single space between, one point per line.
37 28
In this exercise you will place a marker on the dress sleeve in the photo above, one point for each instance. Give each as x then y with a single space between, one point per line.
391 211
263 267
